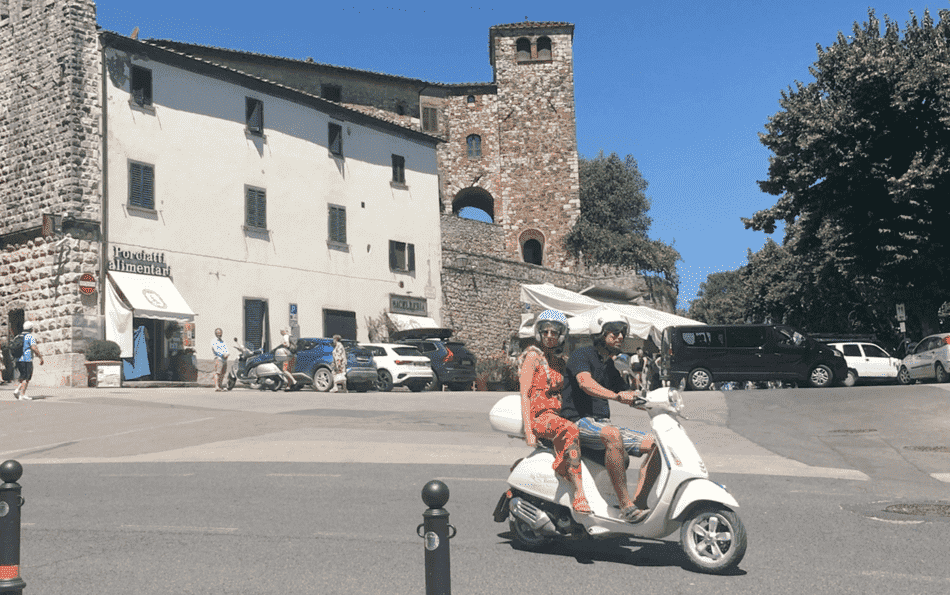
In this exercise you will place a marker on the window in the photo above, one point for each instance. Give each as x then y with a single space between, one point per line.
255 201
874 351
400 108
399 169
335 138
430 119
745 337
339 322
703 339
142 86
851 350
337 226
544 48
332 92
402 257
474 143
256 327
141 185
531 251
254 116
470 100
523 49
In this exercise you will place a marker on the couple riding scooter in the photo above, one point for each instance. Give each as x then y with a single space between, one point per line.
592 381
674 493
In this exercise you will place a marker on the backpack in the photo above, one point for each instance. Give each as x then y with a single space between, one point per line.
16 346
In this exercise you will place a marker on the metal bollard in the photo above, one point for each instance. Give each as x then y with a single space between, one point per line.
437 532
10 503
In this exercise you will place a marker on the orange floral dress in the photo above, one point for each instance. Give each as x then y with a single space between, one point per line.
544 397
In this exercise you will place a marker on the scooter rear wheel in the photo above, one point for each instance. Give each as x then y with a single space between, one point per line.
713 539
232 380
526 536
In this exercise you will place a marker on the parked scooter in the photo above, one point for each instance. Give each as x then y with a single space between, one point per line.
255 369
538 502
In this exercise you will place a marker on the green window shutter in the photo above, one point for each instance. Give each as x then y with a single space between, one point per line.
410 258
256 208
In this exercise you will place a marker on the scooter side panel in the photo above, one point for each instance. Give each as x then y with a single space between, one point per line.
698 490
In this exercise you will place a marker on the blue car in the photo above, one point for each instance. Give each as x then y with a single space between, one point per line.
315 359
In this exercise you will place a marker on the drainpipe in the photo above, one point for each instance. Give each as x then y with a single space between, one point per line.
104 244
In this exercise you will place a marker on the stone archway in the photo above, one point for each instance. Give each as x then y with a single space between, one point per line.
473 200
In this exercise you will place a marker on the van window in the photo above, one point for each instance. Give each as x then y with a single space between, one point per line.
703 338
745 336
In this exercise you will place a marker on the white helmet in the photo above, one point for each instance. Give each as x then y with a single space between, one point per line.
607 321
551 319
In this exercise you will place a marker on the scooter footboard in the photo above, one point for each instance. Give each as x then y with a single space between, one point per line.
699 490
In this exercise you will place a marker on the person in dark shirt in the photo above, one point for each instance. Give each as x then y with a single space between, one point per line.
593 381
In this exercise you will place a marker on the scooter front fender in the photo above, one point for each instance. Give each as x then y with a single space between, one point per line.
699 490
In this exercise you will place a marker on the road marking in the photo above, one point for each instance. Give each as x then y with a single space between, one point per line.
180 529
944 477
69 442
303 475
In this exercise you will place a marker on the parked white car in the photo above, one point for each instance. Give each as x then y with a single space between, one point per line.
867 362
400 365
928 360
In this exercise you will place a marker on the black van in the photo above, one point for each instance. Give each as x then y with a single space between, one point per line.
706 354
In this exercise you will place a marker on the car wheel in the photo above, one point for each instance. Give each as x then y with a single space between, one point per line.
903 376
322 380
851 379
460 386
384 381
699 379
940 374
820 376
435 384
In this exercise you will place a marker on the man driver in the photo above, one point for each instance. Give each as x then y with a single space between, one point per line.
593 381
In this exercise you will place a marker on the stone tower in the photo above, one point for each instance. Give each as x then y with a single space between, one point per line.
511 147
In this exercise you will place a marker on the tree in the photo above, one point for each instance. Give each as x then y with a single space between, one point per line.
861 166
721 299
613 225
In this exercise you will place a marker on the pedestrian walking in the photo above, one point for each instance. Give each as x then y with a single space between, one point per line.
24 362
339 365
220 360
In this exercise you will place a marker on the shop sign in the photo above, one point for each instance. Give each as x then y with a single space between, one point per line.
407 304
140 262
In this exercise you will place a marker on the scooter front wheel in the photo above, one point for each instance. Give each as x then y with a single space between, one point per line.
526 536
232 380
713 539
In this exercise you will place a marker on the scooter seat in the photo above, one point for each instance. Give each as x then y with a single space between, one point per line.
591 454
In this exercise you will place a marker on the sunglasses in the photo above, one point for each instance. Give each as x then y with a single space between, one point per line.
550 333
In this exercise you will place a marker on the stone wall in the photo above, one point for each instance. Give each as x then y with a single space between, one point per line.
50 145
481 286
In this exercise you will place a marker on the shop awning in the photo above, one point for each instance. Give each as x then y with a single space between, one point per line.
405 322
152 297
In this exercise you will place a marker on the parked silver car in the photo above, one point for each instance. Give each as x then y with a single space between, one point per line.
928 360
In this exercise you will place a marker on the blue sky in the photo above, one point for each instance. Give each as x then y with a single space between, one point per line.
683 86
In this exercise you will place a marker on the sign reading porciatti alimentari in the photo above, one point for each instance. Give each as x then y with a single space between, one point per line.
141 262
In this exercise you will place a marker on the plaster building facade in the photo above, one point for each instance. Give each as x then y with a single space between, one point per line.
196 196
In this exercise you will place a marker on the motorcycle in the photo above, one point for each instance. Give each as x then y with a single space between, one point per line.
256 369
538 502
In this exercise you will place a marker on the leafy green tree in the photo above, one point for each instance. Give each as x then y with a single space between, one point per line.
721 299
861 166
613 225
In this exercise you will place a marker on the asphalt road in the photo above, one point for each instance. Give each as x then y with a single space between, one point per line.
191 491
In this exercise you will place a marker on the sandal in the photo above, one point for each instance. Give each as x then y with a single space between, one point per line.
632 514
581 506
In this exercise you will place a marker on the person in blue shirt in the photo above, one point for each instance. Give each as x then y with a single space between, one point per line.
25 361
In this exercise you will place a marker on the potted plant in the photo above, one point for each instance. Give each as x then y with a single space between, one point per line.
104 364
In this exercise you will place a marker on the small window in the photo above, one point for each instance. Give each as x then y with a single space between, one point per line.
523 48
470 100
142 86
254 116
402 257
430 119
474 143
255 200
532 251
544 48
141 185
335 138
332 92
400 108
337 226
399 169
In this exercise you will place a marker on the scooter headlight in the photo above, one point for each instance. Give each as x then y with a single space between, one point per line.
676 400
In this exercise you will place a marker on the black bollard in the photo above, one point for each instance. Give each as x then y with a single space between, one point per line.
436 531
10 503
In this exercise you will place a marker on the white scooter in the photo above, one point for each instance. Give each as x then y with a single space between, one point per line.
538 502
